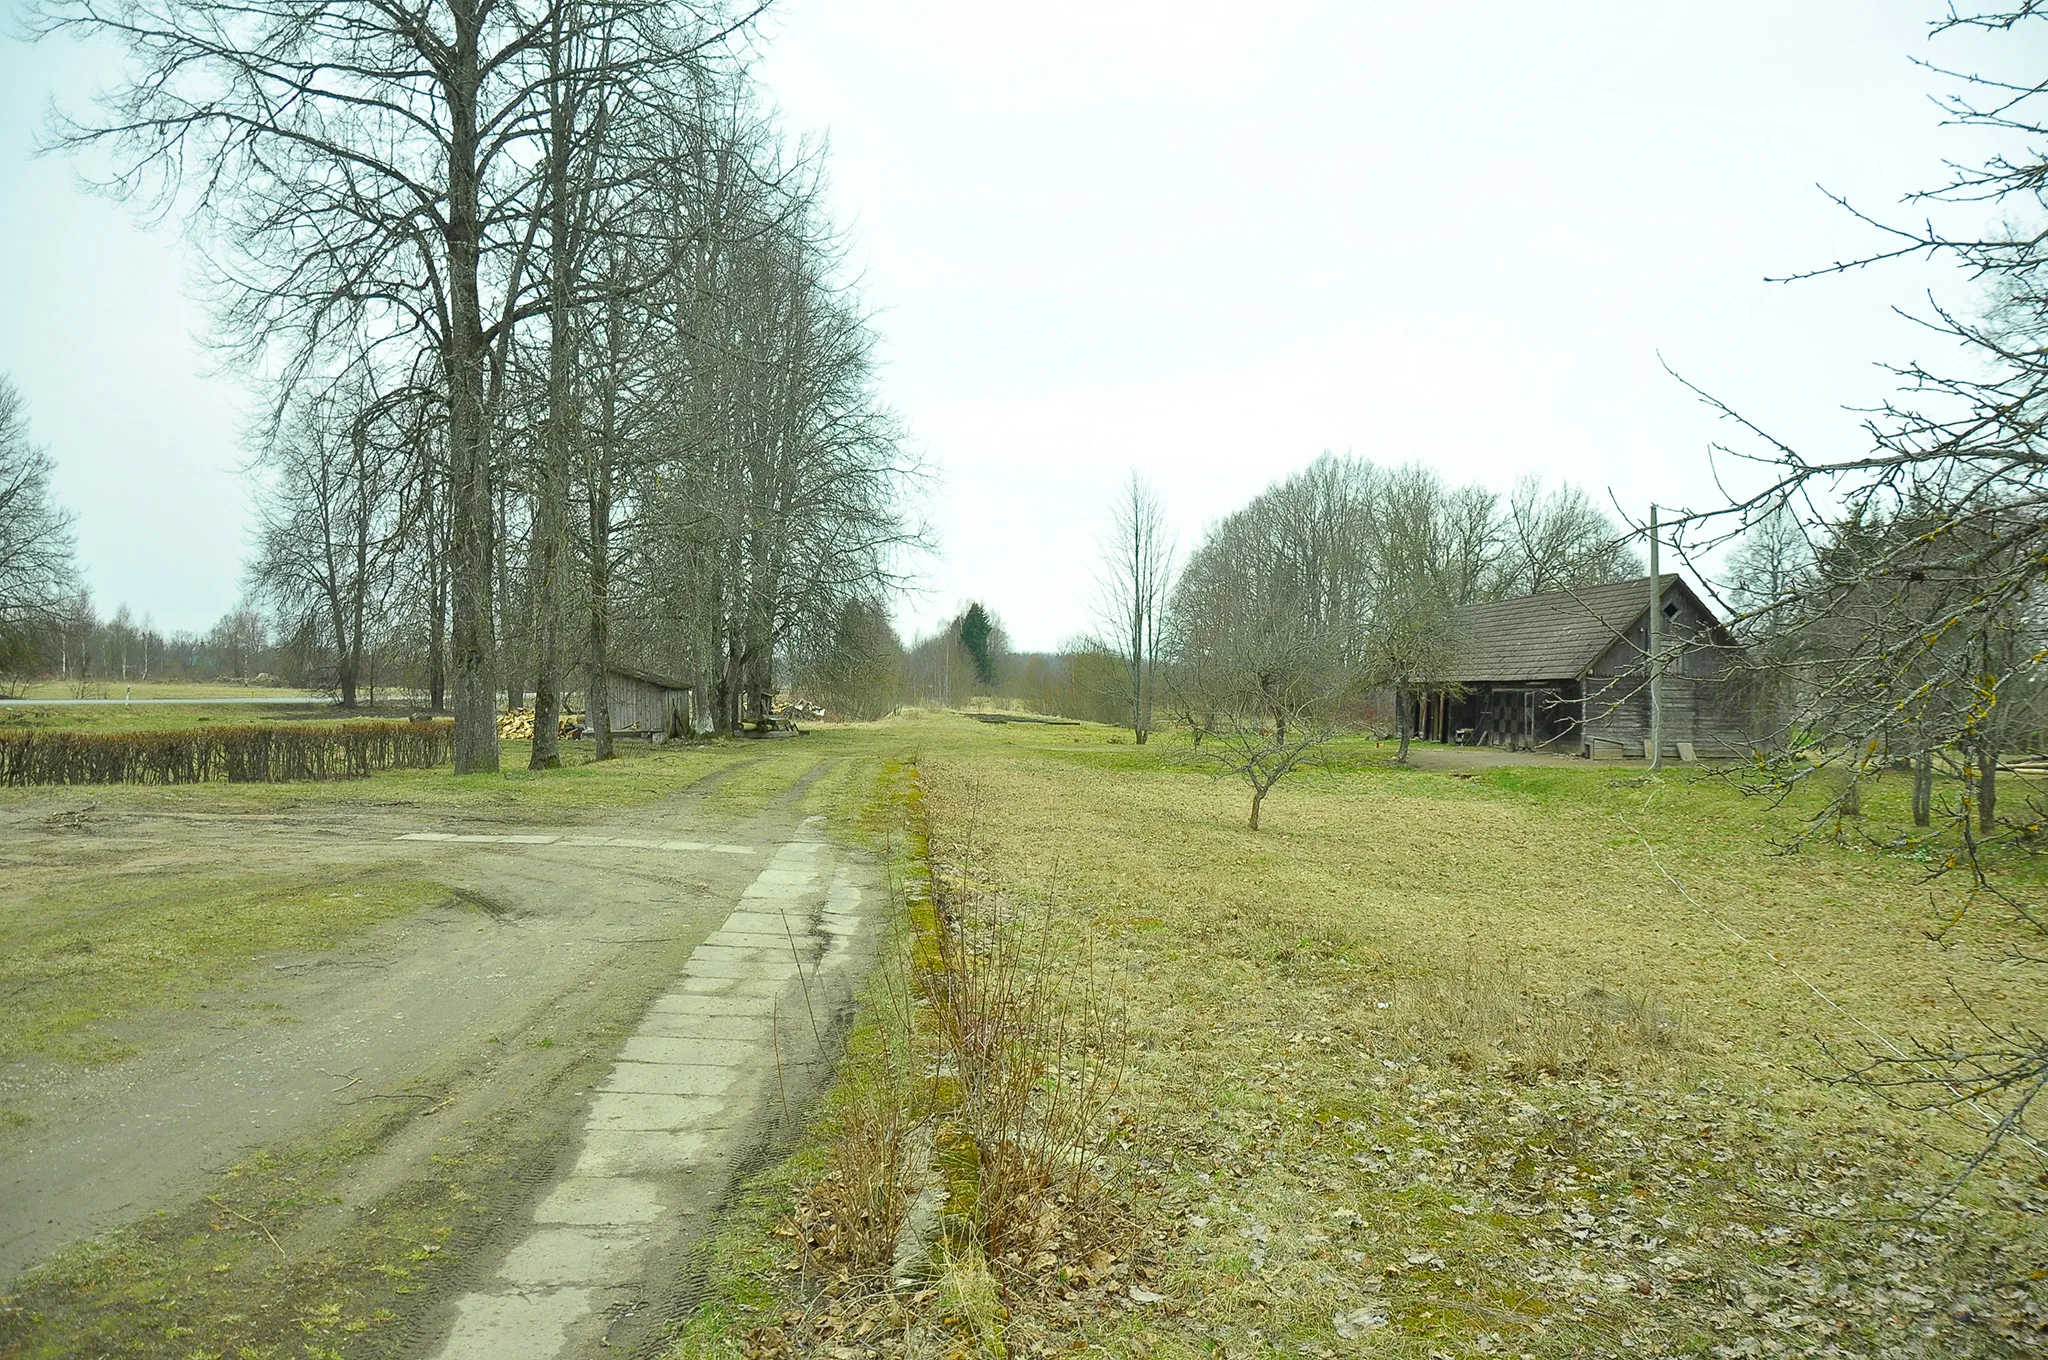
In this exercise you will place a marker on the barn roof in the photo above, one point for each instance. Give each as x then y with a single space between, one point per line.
649 677
1557 635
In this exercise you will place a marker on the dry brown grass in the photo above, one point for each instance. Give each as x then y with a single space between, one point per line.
1445 1065
1481 1015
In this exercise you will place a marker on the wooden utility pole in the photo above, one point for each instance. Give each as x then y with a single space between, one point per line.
1656 652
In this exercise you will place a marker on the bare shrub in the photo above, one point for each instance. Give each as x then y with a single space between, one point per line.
851 1218
1030 1062
1029 1056
266 753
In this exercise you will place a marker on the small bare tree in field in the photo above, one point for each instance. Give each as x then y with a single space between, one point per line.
1262 748
1265 623
1137 569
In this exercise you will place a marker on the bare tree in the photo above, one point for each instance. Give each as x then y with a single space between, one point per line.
854 665
35 532
1558 539
1421 572
1262 747
1131 592
1270 609
1918 631
1770 564
329 525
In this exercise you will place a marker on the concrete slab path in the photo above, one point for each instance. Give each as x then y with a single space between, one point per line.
742 1028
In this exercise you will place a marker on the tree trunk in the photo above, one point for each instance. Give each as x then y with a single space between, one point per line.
1923 789
359 597
1136 664
597 702
511 630
551 486
1401 721
437 626
1147 682
469 448
1987 791
1258 797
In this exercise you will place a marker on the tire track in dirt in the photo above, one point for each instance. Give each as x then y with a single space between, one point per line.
524 927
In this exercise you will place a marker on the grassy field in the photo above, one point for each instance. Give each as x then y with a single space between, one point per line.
1448 1064
1524 1061
162 716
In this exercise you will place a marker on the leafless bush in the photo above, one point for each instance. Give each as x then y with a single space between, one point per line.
267 753
1030 1060
851 1218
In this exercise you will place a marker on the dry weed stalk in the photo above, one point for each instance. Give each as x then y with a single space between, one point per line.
1488 1014
989 1075
850 1220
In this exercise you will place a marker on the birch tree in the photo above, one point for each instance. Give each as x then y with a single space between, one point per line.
1132 586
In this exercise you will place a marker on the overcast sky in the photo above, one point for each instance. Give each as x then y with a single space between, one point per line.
1206 242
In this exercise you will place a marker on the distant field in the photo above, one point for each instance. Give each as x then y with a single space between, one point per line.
167 713
151 689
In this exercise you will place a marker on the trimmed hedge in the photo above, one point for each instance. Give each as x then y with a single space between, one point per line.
266 753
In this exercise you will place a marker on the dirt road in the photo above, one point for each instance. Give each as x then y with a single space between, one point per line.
494 1016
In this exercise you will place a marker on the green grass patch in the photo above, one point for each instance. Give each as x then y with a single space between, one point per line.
78 958
162 717
270 1265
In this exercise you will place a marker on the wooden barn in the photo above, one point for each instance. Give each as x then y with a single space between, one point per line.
1565 672
646 704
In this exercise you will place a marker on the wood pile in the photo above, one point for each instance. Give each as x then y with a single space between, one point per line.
517 725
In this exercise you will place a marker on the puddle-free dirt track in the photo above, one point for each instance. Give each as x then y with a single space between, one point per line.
558 952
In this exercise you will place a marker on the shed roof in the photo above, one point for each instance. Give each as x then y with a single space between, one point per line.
649 677
1559 634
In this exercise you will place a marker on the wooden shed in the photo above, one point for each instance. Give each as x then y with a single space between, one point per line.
1565 671
646 704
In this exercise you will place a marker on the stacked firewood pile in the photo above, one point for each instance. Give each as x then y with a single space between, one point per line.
517 725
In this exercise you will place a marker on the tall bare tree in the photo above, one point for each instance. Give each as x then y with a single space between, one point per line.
1132 586
1423 566
35 531
330 520
1558 539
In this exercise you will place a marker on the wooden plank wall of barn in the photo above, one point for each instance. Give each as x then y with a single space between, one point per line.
637 706
1702 704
